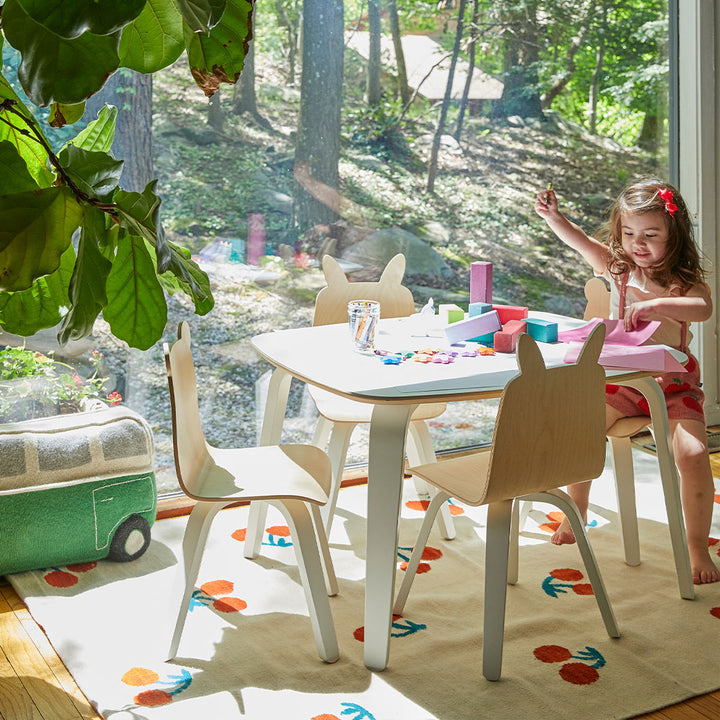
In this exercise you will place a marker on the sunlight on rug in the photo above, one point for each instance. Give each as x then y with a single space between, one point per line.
248 650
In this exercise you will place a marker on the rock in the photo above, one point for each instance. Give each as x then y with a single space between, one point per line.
380 247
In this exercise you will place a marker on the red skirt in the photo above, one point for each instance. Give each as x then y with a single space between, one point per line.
683 396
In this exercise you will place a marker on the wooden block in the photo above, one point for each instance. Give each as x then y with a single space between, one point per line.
481 282
479 308
542 330
450 313
510 312
506 339
472 327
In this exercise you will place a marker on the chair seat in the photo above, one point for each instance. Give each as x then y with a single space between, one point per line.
628 426
460 477
272 472
339 409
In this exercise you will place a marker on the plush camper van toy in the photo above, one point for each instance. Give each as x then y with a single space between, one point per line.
75 488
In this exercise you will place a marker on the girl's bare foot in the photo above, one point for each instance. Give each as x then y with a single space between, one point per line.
564 534
704 569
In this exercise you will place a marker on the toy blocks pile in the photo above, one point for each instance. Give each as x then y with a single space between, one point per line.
491 324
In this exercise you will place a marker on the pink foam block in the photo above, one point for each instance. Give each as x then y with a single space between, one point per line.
506 339
481 282
472 327
510 312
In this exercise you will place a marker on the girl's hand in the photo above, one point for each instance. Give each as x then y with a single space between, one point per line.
637 312
546 204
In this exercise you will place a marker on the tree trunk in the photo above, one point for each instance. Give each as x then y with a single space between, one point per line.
399 52
595 87
289 19
520 57
244 96
216 119
432 168
374 92
131 93
317 152
471 68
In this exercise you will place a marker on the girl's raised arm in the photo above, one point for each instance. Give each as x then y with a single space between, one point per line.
593 252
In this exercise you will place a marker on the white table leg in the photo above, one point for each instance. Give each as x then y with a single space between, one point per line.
385 477
275 406
652 392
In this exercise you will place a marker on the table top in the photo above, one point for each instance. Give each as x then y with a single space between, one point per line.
324 356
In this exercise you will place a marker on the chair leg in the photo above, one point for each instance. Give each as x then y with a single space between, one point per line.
331 582
322 432
563 501
516 522
337 452
497 546
312 576
420 451
438 500
257 516
622 462
193 545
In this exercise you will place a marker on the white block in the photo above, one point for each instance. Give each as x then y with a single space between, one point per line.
473 327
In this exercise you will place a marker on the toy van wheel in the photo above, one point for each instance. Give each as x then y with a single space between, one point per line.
131 539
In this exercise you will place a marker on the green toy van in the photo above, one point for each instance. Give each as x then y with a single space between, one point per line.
75 488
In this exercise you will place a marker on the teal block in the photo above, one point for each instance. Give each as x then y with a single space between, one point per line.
488 339
479 308
542 330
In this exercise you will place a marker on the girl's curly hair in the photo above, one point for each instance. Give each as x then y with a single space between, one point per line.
681 267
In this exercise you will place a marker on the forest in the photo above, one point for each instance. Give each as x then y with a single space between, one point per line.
320 120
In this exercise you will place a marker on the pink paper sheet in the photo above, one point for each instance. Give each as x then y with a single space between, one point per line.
654 358
615 333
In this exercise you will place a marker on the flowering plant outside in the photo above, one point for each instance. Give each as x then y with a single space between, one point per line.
36 385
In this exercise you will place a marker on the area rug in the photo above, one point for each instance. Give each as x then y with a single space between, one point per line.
248 650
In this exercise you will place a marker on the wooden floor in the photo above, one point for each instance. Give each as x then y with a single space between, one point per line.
35 685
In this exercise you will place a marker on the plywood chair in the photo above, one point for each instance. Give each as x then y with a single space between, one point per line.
293 478
540 443
339 416
619 436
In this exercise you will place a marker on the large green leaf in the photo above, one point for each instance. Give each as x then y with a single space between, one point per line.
219 56
154 39
13 170
136 309
27 311
185 275
35 230
139 214
31 151
87 286
71 18
99 134
97 174
55 69
201 15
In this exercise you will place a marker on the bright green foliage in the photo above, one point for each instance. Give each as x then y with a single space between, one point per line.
74 245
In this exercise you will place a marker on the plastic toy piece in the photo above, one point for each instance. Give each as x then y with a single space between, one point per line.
450 313
510 312
479 308
472 327
481 282
542 330
506 339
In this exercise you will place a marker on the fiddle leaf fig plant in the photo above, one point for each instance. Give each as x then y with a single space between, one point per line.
73 244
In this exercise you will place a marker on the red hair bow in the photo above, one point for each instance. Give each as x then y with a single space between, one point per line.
667 197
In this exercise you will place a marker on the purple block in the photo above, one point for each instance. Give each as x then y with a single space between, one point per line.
481 282
472 327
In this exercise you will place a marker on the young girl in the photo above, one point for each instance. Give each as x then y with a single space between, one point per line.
653 267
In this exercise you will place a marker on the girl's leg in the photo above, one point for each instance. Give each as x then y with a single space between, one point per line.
698 491
580 492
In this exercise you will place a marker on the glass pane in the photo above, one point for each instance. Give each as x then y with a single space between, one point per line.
321 148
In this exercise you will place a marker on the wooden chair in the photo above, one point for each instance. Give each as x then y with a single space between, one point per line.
550 431
339 416
293 478
619 436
